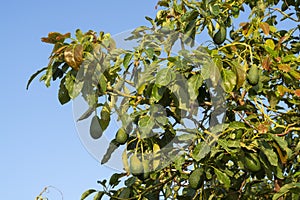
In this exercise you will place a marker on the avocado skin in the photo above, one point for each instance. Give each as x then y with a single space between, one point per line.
220 36
196 178
136 166
253 75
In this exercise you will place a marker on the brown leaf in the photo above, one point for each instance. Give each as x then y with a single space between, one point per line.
73 56
297 92
262 128
240 73
283 158
78 51
284 67
265 27
278 59
266 63
54 37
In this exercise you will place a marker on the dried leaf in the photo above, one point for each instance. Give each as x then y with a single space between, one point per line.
265 27
284 67
266 63
73 56
297 92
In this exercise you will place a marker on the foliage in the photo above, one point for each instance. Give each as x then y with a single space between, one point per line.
252 154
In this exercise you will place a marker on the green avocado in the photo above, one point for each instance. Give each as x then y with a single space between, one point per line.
146 168
196 178
95 128
121 136
220 36
136 166
253 75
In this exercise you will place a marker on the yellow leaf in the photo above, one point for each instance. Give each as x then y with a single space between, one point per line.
270 43
156 156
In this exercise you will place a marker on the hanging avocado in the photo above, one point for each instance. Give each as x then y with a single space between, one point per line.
121 136
136 166
95 128
220 36
253 75
196 178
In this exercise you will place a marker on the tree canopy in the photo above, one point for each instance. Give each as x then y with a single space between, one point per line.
216 120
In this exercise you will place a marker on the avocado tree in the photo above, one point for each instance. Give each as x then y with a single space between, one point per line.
219 120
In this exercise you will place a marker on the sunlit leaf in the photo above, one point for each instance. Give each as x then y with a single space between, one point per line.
87 193
164 77
265 27
222 177
200 151
229 80
99 195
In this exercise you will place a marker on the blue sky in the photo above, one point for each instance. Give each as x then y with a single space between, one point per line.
39 144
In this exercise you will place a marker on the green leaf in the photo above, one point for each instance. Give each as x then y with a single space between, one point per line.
127 59
268 151
87 193
222 177
194 83
150 20
87 113
229 79
47 77
237 125
287 188
113 145
102 83
282 144
180 90
105 116
149 52
103 182
200 151
157 92
214 9
99 195
224 144
164 77
114 179
34 75
190 32
71 84
186 137
146 124
169 42
130 181
78 34
179 162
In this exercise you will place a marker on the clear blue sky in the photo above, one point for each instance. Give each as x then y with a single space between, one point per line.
39 145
